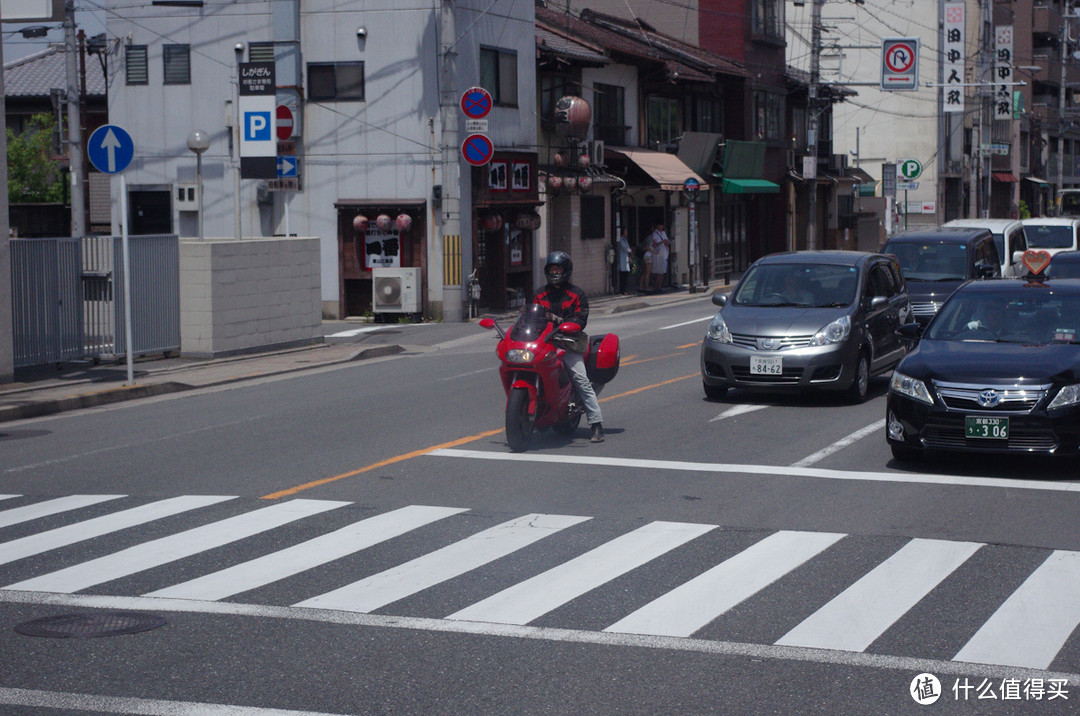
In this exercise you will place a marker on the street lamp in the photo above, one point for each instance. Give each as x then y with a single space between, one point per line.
199 141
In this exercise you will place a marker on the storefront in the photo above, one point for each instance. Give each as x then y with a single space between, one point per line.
377 235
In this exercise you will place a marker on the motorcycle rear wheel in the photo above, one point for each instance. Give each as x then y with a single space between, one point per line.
519 424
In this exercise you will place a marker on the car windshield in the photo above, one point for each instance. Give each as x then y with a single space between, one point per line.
1049 237
931 261
807 285
1038 317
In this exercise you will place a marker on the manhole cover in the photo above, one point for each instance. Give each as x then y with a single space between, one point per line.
90 625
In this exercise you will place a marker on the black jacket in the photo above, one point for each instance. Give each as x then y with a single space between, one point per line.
567 301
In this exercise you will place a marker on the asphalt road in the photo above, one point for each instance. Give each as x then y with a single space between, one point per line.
359 539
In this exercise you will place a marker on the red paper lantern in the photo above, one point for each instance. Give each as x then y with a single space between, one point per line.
570 183
404 222
554 182
561 159
360 223
383 222
584 183
492 222
584 160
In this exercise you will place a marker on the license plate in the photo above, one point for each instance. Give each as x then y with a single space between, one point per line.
766 366
987 428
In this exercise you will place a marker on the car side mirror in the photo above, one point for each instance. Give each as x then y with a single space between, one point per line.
910 331
984 271
877 302
719 299
1017 257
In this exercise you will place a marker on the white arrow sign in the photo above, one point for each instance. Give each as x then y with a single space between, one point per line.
110 144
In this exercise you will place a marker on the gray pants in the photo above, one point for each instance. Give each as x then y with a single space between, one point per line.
575 365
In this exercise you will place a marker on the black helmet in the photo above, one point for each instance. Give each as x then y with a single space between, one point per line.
558 268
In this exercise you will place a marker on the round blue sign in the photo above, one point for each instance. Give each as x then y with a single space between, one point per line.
110 149
692 184
476 102
477 149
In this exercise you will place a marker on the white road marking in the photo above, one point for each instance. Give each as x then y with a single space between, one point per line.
841 444
908 665
355 332
307 555
738 410
862 612
456 559
51 507
774 470
106 524
8 497
687 323
126 705
169 549
532 598
692 605
1033 624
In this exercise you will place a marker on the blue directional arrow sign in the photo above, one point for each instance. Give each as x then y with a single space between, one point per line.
287 166
110 149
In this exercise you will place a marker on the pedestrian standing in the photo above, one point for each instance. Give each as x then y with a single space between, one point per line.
622 246
660 245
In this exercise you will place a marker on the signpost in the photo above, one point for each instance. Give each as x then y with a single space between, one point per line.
908 170
476 102
111 149
899 63
284 123
258 110
477 149
691 187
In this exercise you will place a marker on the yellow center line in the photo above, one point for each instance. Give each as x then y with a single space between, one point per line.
452 444
646 360
695 344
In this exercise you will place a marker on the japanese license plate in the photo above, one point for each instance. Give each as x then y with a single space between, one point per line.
766 366
983 427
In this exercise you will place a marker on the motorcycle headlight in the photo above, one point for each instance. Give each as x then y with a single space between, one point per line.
835 332
911 387
519 355
1068 395
718 330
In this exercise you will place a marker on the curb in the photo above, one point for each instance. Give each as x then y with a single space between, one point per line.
89 400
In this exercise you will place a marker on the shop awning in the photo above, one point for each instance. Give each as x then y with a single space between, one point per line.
749 186
860 175
667 170
1037 180
1007 177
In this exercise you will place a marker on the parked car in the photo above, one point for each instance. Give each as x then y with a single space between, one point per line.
1052 234
1065 264
997 371
1008 237
809 319
1068 202
936 261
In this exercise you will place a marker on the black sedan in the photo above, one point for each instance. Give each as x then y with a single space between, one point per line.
997 371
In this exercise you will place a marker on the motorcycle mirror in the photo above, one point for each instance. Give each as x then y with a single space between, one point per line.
569 327
487 323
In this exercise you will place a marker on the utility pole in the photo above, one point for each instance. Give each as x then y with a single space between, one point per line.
813 111
1061 111
7 348
74 122
450 212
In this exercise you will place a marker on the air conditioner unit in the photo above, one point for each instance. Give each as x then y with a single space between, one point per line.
395 290
187 197
596 152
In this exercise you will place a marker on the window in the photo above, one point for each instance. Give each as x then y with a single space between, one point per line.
552 87
135 66
592 217
177 64
708 115
261 52
610 103
498 75
336 80
798 128
768 109
768 18
663 121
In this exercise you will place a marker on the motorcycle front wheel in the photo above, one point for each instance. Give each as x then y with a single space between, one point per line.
519 424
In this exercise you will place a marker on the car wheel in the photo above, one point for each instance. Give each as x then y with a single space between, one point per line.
861 385
904 453
715 392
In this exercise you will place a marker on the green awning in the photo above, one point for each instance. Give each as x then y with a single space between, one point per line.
750 186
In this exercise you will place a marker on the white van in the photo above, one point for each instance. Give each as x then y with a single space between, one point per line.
1052 234
1008 235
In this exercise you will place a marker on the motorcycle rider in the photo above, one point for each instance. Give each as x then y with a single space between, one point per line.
568 304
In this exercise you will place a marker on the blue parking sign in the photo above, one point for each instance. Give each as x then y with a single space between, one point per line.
258 127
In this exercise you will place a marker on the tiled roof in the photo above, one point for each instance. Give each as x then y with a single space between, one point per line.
35 75
563 46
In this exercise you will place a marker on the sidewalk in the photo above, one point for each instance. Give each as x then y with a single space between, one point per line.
50 389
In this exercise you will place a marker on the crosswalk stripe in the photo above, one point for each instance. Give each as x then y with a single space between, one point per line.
863 611
298 558
51 507
169 549
380 589
691 606
9 497
98 526
1033 624
534 597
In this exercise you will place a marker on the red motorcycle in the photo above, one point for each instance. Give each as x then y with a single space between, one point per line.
539 392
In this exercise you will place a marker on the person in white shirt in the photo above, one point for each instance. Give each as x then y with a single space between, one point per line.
660 246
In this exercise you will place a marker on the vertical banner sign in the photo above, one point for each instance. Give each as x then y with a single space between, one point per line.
1003 71
258 105
953 61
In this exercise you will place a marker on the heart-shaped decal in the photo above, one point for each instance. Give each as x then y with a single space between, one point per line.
1035 261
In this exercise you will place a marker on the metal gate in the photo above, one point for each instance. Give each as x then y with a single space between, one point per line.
68 297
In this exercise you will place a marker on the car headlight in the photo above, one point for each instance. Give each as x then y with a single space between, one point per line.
1068 395
718 330
911 387
835 332
519 355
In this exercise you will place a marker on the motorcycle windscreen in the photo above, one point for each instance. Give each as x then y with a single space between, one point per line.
530 324
602 360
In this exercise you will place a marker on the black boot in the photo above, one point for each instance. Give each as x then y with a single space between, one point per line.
597 433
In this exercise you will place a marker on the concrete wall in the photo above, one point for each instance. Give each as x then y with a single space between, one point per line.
248 295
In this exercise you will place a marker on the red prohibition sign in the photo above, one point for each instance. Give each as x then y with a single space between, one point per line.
477 149
900 58
476 102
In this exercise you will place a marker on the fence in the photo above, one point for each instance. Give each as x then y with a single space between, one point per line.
68 297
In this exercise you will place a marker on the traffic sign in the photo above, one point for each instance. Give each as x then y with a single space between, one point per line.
899 63
287 166
110 149
909 169
476 102
907 185
691 186
477 149
284 122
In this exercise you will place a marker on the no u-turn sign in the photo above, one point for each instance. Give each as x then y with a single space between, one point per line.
900 63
